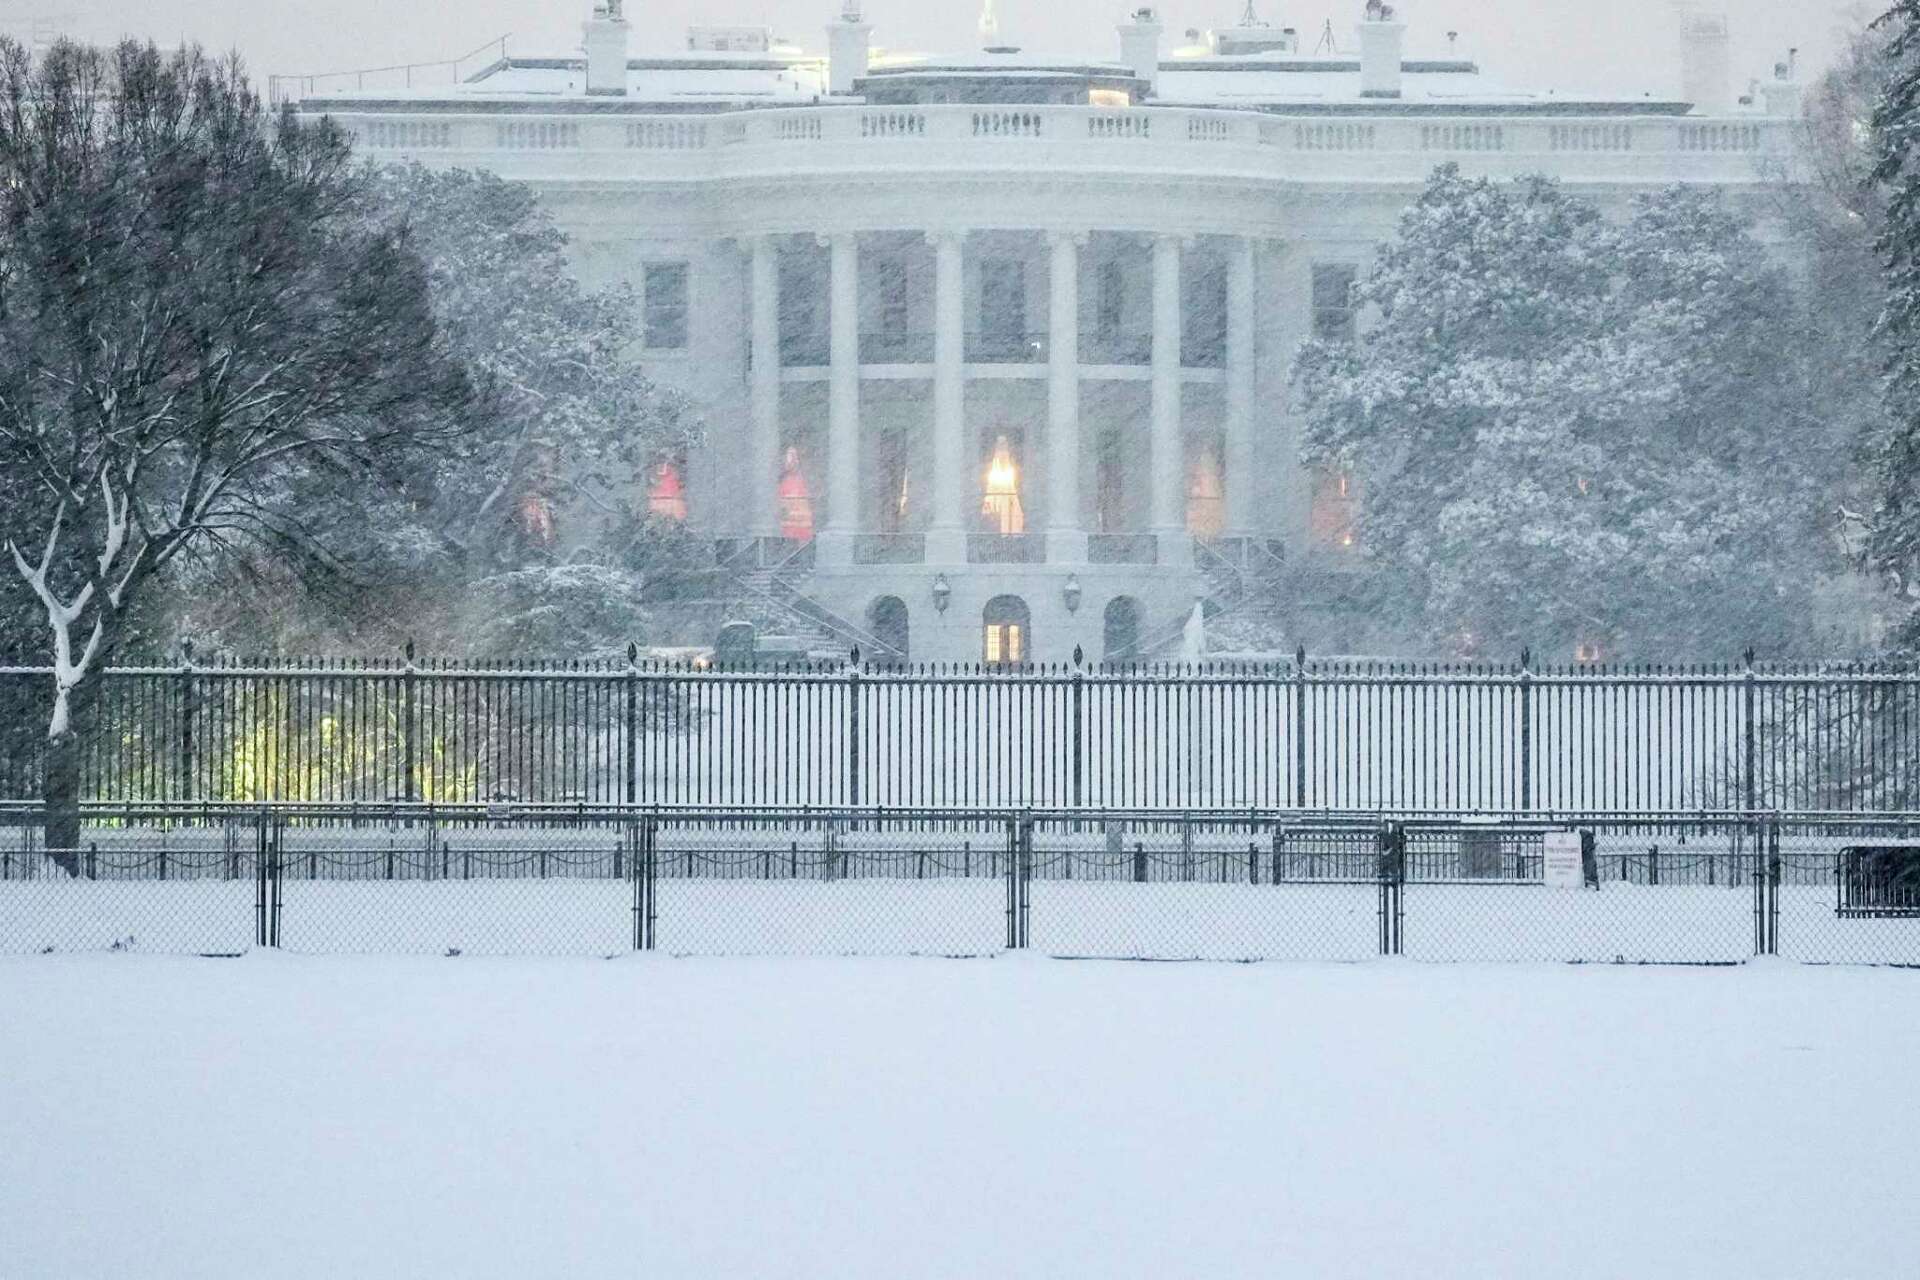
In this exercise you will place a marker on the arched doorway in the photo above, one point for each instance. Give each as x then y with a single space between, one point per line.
1009 632
1121 633
887 621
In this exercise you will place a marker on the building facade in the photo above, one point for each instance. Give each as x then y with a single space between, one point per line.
994 351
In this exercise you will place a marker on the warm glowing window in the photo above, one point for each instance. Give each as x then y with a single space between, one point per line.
1331 519
1109 98
796 503
1001 506
1589 651
1007 635
1206 500
667 499
535 516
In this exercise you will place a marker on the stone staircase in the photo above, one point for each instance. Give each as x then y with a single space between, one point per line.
773 597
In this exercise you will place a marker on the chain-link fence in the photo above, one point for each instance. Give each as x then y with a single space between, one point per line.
1675 889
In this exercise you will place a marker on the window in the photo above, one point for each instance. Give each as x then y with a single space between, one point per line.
1331 517
888 623
1121 629
1003 299
665 291
1008 637
667 499
1110 299
1206 501
890 278
1203 327
796 502
1333 314
1000 509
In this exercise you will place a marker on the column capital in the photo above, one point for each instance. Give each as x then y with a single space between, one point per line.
827 239
1175 239
951 237
1062 239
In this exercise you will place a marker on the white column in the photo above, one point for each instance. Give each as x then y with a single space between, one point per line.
763 449
1066 538
952 485
1167 468
1242 361
835 543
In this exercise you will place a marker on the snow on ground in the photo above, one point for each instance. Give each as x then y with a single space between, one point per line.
300 1116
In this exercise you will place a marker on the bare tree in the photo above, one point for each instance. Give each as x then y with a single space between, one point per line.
190 310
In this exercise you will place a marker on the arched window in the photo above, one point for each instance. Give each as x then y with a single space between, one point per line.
796 503
667 499
1120 637
1009 633
887 621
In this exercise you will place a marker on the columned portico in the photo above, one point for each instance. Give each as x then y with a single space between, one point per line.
835 543
1241 361
1066 536
764 445
1167 467
952 487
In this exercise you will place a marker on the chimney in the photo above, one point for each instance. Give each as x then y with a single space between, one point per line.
848 52
606 45
1782 93
1383 39
1140 47
1706 62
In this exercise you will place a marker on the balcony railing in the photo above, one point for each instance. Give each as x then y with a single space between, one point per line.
896 347
1116 348
1005 548
1123 548
890 548
1658 144
1006 348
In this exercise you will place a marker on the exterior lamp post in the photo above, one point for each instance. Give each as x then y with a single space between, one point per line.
942 592
1072 593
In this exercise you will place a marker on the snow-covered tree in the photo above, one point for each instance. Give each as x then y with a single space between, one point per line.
1893 526
1568 430
192 308
543 495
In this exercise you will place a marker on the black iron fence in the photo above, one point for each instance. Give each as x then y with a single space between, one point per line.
1653 889
1297 735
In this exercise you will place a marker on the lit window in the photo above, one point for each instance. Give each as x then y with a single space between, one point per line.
1109 98
1206 505
1007 624
1331 518
665 297
796 503
535 517
667 499
1333 314
1588 652
1001 506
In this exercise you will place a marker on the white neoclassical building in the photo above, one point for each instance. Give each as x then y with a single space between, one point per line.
994 349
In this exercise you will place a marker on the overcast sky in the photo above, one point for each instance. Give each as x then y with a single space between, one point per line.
1625 46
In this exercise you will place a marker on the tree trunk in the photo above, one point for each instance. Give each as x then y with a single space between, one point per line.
66 746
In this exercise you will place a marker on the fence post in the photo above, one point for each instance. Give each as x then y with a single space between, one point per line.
853 728
1079 728
276 878
1013 885
1526 730
188 687
260 881
1750 781
630 787
407 730
1773 885
1024 918
1300 727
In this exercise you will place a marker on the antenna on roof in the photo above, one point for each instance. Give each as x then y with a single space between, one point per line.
1327 44
1250 18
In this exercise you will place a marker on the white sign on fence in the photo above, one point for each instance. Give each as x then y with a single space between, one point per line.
1562 860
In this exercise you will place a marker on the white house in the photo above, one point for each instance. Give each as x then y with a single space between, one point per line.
994 348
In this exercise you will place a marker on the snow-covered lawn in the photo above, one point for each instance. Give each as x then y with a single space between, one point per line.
307 1117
